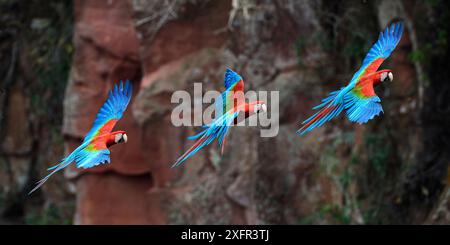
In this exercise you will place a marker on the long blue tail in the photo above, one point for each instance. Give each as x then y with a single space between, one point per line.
64 163
331 107
217 129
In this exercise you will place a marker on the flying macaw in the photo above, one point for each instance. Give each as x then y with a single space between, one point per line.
93 150
358 98
232 106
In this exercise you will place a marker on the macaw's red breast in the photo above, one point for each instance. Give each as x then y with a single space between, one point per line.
364 88
368 91
102 136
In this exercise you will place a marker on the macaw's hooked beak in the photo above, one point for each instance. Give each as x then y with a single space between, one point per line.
119 138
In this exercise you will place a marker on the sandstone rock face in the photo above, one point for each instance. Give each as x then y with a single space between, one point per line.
165 46
17 143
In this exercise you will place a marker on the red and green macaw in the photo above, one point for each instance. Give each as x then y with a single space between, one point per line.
232 106
93 150
358 98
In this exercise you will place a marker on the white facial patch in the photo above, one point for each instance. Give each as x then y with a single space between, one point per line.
383 77
117 138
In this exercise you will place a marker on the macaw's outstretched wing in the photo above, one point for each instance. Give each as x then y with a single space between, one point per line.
111 111
217 129
381 50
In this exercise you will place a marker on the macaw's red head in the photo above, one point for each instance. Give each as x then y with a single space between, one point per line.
255 108
117 137
252 108
386 75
